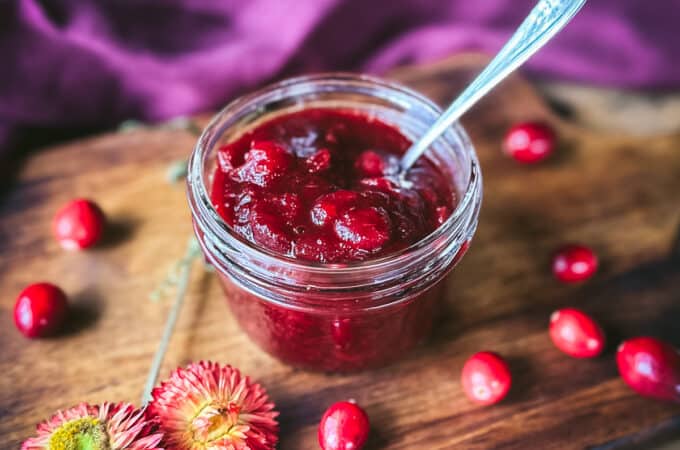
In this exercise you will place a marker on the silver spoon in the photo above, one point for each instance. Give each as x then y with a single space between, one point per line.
543 22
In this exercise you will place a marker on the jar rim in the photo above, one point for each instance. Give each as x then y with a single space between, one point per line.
197 184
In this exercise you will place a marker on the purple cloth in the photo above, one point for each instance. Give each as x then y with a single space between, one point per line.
92 63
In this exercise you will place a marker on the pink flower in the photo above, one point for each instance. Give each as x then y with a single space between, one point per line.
98 427
209 406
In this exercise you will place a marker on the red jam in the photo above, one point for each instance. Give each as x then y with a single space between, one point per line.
323 185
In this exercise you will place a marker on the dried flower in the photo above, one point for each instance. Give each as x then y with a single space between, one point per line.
209 406
97 427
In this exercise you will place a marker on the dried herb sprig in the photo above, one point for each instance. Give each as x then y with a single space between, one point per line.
179 279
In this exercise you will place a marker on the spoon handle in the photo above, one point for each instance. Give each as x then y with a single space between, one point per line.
545 20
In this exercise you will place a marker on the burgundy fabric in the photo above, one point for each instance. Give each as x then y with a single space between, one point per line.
90 63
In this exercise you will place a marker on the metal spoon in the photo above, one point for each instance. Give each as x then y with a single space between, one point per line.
542 24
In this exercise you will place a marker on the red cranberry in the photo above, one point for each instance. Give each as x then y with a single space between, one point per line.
344 426
288 205
651 367
574 263
529 142
576 333
364 228
486 378
264 162
40 310
79 224
267 229
230 157
370 164
384 184
319 161
330 206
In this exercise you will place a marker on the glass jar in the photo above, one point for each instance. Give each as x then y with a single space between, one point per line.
336 317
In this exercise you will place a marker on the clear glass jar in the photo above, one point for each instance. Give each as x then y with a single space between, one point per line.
336 317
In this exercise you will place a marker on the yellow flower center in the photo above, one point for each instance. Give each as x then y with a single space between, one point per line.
214 422
80 434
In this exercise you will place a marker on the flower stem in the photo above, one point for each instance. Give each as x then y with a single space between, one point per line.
179 275
193 251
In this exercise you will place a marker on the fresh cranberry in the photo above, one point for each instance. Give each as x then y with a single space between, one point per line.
344 426
529 142
651 367
573 263
486 378
264 162
576 333
40 310
319 161
364 228
328 207
79 224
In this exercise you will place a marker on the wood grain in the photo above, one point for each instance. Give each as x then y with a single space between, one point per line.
617 193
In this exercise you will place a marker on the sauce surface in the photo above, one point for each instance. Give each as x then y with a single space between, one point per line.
323 185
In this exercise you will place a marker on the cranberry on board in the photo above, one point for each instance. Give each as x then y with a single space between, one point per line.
576 333
529 142
573 263
40 310
79 224
344 426
486 378
651 367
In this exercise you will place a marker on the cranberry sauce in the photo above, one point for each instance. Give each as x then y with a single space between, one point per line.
323 185
334 342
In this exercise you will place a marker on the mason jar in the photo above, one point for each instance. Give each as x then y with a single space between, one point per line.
336 317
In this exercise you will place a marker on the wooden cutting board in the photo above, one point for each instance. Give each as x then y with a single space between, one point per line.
616 193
